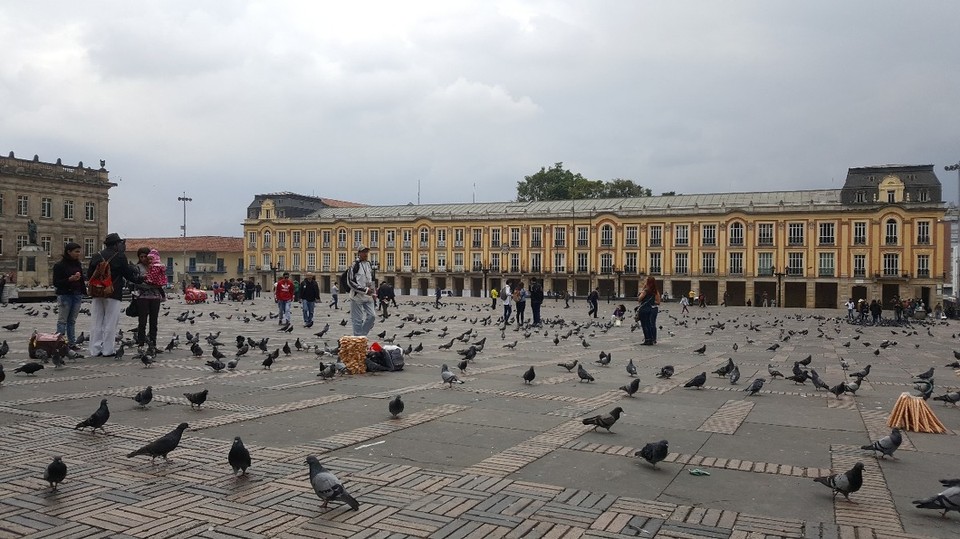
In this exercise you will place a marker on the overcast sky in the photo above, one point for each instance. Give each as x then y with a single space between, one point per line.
360 100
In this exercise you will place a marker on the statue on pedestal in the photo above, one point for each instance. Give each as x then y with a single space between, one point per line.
32 232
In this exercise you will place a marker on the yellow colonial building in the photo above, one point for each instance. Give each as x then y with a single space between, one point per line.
882 235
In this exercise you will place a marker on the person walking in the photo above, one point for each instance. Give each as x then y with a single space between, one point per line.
283 295
850 307
438 293
334 297
875 310
69 285
105 312
536 300
149 294
520 296
309 294
593 301
494 293
684 303
363 291
385 295
649 300
249 288
506 296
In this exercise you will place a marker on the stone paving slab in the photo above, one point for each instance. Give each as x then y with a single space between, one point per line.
493 457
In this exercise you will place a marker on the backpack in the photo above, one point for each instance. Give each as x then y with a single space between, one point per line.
100 284
345 280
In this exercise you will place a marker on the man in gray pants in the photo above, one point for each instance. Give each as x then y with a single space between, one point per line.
363 291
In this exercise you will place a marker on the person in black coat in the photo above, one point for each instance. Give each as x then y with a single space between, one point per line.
70 287
105 312
309 294
536 300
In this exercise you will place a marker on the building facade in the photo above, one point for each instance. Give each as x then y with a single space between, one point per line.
196 260
67 203
882 235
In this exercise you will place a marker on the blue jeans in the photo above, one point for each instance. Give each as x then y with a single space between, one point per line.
69 308
307 311
362 315
284 307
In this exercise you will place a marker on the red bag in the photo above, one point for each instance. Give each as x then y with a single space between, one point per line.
100 284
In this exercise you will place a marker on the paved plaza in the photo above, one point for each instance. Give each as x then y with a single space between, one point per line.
492 457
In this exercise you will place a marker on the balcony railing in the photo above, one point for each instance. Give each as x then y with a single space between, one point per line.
407 244
295 245
736 242
679 242
859 240
680 271
325 268
890 240
709 242
891 272
494 267
583 243
374 243
925 273
656 243
923 240
477 244
495 244
735 271
424 244
391 243
656 271
559 243
311 267
606 243
441 243
709 271
458 268
631 270
764 272
632 243
825 272
765 242
859 272
458 244
795 241
795 272
536 244
311 245
827 241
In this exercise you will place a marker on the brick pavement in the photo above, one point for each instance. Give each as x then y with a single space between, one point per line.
491 458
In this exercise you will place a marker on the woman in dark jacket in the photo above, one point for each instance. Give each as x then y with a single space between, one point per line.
649 300
70 288
149 295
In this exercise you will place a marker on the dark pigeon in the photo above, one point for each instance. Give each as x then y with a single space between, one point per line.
239 457
395 407
162 445
925 375
605 421
55 473
583 374
198 398
654 452
569 365
845 483
631 368
953 397
755 387
97 419
327 486
29 368
144 396
697 381
665 372
632 387
529 375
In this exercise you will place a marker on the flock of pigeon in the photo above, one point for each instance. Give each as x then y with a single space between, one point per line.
328 487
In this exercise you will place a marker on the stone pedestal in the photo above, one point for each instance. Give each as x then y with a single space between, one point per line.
33 267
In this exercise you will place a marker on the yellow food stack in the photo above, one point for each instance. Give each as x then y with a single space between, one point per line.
912 413
353 353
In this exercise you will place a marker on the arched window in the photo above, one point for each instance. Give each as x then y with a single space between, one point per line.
424 235
267 237
736 233
892 237
342 237
606 236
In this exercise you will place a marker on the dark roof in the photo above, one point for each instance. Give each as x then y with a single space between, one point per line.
914 177
290 204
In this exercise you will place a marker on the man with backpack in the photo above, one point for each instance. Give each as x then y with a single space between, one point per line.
359 279
106 277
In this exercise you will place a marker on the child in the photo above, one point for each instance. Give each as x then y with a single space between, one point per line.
157 272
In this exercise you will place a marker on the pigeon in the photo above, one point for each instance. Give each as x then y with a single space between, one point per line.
583 374
948 500
806 361
4 348
569 365
853 387
839 389
701 350
162 445
216 365
654 452
774 347
144 396
448 377
3 375
604 359
954 365
817 382
953 397
605 421
97 419
665 372
395 407
724 369
286 348
632 387
11 327
844 364
57 360
734 375
55 473
242 350
197 399
755 387
529 376
631 368
239 457
925 387
462 366
697 381
862 373
925 375
773 371
799 378
29 368
886 445
845 483
327 486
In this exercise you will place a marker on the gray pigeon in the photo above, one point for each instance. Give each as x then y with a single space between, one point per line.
948 500
665 372
605 359
569 365
845 483
55 473
162 445
395 407
144 396
605 421
925 375
654 452
755 387
327 486
197 399
239 457
632 387
953 397
725 368
886 445
631 368
817 382
97 419
773 372
583 374
448 377
734 375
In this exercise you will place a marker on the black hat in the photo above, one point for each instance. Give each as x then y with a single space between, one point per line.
112 238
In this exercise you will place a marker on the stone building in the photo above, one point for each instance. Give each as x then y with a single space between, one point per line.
882 235
200 260
67 203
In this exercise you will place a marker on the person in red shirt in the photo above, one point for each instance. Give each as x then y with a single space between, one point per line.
283 293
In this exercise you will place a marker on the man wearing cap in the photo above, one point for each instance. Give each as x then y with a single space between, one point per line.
309 294
105 312
283 293
362 293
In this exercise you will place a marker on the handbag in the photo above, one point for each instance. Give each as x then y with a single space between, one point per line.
133 309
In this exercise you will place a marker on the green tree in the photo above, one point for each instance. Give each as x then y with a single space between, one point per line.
557 183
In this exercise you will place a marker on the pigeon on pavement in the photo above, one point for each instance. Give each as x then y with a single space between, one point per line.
948 500
198 398
631 368
583 374
395 407
448 377
654 452
697 381
734 375
529 375
953 397
755 387
665 372
29 368
162 445
569 365
886 445
239 457
845 483
605 421
632 387
97 419
327 486
55 473
144 396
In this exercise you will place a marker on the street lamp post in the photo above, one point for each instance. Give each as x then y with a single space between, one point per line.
619 273
955 282
184 199
779 275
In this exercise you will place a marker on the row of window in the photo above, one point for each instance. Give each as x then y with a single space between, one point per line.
46 208
826 266
46 243
796 236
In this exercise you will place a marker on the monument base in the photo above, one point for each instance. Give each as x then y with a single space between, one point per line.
33 267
